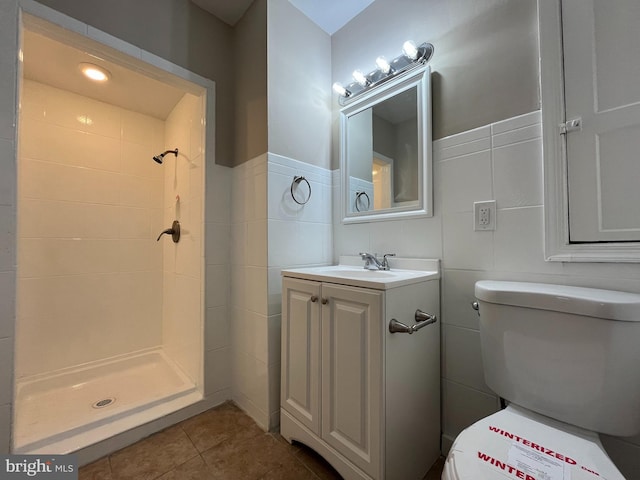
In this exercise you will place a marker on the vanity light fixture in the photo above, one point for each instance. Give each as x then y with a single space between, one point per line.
412 56
359 77
340 90
383 65
410 50
94 72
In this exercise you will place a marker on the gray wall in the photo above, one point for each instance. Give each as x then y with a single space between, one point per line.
250 51
385 137
8 102
178 31
405 173
361 145
299 85
400 143
485 66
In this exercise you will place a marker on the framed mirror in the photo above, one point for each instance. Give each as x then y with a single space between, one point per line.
385 151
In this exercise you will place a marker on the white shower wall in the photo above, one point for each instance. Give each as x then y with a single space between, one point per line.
93 281
183 264
90 202
217 355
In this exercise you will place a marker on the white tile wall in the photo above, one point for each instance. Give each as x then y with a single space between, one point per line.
270 231
96 226
501 162
462 359
182 326
217 339
249 326
217 330
471 175
89 206
464 247
217 371
298 235
462 407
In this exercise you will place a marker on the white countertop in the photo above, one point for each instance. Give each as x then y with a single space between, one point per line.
357 276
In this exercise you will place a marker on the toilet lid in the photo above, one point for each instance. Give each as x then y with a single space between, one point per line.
518 444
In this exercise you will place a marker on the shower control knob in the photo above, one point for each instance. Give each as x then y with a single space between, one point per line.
174 231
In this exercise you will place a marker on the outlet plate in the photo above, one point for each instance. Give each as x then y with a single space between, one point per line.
484 215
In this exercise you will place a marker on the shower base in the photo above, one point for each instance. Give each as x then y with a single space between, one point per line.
65 411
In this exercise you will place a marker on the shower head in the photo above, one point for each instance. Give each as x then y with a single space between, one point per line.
160 158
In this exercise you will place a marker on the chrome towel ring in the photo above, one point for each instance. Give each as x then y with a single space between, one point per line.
358 200
296 181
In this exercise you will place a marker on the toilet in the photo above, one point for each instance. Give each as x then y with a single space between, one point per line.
567 362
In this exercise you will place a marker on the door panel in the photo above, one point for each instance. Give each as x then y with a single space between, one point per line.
351 374
301 351
601 66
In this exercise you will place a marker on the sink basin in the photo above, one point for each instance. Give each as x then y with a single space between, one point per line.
359 277
367 273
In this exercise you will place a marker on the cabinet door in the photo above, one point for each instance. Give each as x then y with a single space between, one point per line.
301 351
351 374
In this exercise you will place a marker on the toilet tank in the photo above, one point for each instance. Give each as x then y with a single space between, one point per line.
570 353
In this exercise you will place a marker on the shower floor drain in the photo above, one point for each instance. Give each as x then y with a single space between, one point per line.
105 402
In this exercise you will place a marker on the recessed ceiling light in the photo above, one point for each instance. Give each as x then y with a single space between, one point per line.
94 72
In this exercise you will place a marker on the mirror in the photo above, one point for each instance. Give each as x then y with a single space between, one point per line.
386 151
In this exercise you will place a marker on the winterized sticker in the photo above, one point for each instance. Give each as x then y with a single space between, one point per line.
537 464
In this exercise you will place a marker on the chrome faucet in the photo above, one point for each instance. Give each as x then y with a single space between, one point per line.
371 262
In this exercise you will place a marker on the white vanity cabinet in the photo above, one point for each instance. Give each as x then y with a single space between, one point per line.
367 400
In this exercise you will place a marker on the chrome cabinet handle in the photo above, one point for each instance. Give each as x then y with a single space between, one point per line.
422 318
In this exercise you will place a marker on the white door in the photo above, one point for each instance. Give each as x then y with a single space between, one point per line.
602 87
300 394
352 333
382 181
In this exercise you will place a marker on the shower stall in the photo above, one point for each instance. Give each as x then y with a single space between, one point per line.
109 331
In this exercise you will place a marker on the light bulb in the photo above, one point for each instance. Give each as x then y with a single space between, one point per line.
359 77
410 50
340 90
94 72
383 65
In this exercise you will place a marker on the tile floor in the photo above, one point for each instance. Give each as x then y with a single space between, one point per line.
220 444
